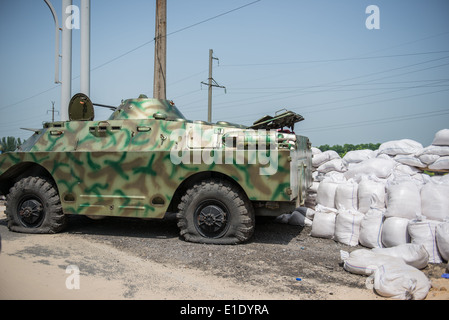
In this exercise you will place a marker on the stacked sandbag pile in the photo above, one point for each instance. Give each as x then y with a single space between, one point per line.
382 198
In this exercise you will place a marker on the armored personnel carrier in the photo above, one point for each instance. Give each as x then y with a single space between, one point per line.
147 160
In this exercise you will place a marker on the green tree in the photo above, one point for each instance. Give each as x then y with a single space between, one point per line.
10 143
342 150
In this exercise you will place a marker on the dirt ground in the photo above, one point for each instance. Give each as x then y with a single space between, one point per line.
146 259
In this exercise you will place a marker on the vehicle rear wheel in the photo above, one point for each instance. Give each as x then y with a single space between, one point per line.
33 206
214 212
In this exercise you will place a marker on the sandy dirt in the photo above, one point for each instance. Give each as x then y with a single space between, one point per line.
135 259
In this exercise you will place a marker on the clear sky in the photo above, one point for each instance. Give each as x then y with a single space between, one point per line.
315 57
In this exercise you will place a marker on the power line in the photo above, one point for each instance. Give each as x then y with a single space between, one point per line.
333 60
212 18
135 49
340 81
379 121
361 104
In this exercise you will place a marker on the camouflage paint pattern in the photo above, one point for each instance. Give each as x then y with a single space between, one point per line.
124 166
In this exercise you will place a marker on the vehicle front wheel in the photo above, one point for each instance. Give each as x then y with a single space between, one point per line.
215 212
33 206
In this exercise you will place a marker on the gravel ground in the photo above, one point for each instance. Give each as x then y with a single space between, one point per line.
280 261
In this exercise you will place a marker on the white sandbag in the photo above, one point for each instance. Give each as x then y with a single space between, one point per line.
346 196
314 187
371 228
403 199
435 150
435 201
347 227
332 165
315 151
409 160
401 281
441 164
442 237
444 179
326 192
320 158
323 225
404 170
404 146
356 156
422 231
381 168
414 255
441 138
371 193
428 158
394 232
365 261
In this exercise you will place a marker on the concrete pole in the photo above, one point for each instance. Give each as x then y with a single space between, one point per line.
55 18
66 70
85 47
160 51
209 103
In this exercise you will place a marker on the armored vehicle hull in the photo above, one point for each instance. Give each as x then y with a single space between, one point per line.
147 160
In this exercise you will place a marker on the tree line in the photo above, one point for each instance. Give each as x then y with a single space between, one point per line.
342 150
9 144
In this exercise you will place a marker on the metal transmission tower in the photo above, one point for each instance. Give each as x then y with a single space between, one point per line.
160 51
52 111
211 83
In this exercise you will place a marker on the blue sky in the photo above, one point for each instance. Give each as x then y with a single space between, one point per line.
317 58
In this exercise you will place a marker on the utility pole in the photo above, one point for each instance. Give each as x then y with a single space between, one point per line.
160 51
211 83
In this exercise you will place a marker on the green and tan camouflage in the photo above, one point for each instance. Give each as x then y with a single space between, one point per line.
143 159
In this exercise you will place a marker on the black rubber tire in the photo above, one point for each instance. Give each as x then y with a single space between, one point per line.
33 206
214 212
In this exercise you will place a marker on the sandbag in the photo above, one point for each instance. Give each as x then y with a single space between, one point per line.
404 146
428 158
422 232
347 227
442 238
401 281
412 254
371 193
435 201
435 150
441 138
346 196
379 167
405 170
365 261
298 219
356 156
403 199
370 235
394 232
441 164
332 165
320 158
307 212
326 192
323 225
315 151
409 160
